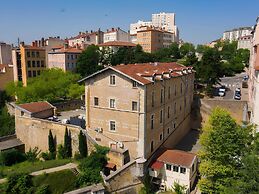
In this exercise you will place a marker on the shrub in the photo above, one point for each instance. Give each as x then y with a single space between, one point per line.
20 183
52 145
10 157
61 152
32 154
43 189
46 156
82 144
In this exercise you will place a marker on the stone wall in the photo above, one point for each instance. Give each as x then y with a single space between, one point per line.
34 132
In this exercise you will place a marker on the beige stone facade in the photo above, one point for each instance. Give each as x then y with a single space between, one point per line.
130 107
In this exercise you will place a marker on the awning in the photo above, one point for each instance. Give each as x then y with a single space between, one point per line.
157 165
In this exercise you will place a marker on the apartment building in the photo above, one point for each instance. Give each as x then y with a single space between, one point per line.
115 34
5 53
245 42
83 39
151 39
33 61
165 21
135 108
253 82
64 58
6 75
17 66
235 34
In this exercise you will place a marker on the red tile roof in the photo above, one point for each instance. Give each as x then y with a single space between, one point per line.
157 165
33 47
118 43
67 50
110 165
35 107
177 157
139 71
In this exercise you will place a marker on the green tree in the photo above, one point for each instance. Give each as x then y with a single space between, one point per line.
32 154
52 85
7 123
228 50
179 189
52 145
186 48
82 144
191 60
61 152
201 48
88 61
20 183
67 144
223 143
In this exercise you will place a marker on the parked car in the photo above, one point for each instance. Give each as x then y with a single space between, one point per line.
82 107
238 91
222 91
65 121
237 97
245 78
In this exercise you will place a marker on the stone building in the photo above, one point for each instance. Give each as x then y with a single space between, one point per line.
6 75
136 108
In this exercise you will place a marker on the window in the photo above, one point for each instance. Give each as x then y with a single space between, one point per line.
67 56
181 88
169 92
168 130
175 108
192 167
22 113
153 99
96 101
134 84
168 112
112 126
168 167
134 106
112 80
72 57
29 63
28 54
112 103
42 64
34 73
161 136
37 54
33 63
182 170
29 73
161 116
33 54
175 168
38 63
161 95
38 72
180 108
152 146
152 121
174 125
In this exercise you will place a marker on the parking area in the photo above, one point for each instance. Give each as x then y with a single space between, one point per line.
71 113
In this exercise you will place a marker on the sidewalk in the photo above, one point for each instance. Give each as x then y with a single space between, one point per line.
50 170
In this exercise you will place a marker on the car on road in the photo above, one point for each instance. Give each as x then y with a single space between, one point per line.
237 97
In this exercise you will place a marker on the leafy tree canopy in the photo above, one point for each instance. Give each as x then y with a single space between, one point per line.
52 85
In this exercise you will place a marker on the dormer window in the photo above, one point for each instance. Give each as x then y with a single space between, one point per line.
134 84
112 79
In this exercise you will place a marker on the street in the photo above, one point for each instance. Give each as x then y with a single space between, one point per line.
231 83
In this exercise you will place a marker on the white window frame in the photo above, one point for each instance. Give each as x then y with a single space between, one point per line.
110 100
110 81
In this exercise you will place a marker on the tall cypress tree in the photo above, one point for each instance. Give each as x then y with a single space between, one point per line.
82 144
52 146
67 144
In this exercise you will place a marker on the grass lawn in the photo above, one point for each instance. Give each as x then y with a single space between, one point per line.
58 182
29 167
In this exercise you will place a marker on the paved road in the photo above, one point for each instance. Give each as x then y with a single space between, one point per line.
232 83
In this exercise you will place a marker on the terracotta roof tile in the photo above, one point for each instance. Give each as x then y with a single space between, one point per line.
139 71
177 157
118 43
67 50
35 107
157 165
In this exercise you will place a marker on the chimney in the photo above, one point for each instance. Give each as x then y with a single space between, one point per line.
77 46
33 44
42 42
112 29
66 46
58 37
91 31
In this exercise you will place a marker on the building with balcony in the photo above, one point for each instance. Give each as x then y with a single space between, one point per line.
33 61
174 166
136 108
253 82
64 58
235 34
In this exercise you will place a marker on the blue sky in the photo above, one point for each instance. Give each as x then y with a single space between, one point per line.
199 21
